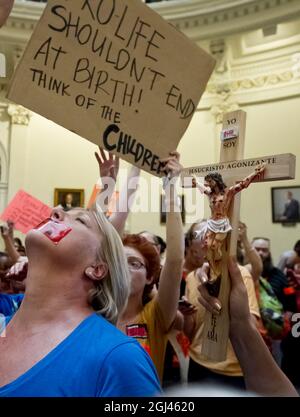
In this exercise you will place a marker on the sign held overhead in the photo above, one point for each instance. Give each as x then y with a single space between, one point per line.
115 73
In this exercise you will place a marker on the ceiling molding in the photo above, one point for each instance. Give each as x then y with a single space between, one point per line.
199 19
247 71
206 19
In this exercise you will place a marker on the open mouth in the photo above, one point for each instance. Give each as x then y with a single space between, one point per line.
54 230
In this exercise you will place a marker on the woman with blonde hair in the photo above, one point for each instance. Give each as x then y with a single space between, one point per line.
61 341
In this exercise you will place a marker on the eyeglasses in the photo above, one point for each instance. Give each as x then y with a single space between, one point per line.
135 264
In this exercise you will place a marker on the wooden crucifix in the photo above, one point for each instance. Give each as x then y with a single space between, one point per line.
222 229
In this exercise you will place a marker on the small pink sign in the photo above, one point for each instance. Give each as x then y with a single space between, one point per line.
25 211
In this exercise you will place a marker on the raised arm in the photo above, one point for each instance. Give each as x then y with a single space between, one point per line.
108 172
171 275
262 374
7 236
256 175
255 265
108 169
126 199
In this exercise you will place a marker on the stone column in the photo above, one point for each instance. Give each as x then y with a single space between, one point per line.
18 140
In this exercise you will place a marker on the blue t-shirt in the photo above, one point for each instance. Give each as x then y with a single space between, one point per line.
95 360
9 303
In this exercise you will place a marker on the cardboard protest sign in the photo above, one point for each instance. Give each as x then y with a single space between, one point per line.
116 73
25 211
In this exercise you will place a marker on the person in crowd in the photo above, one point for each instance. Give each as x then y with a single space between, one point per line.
108 170
149 320
261 373
194 258
289 258
19 246
179 343
8 239
10 303
282 290
290 345
248 256
62 340
193 246
14 253
201 369
5 264
274 276
293 275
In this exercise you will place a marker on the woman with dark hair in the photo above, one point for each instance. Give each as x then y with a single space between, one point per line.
149 320
156 241
139 243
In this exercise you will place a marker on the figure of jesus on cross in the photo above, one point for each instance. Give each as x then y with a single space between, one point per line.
220 199
223 182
